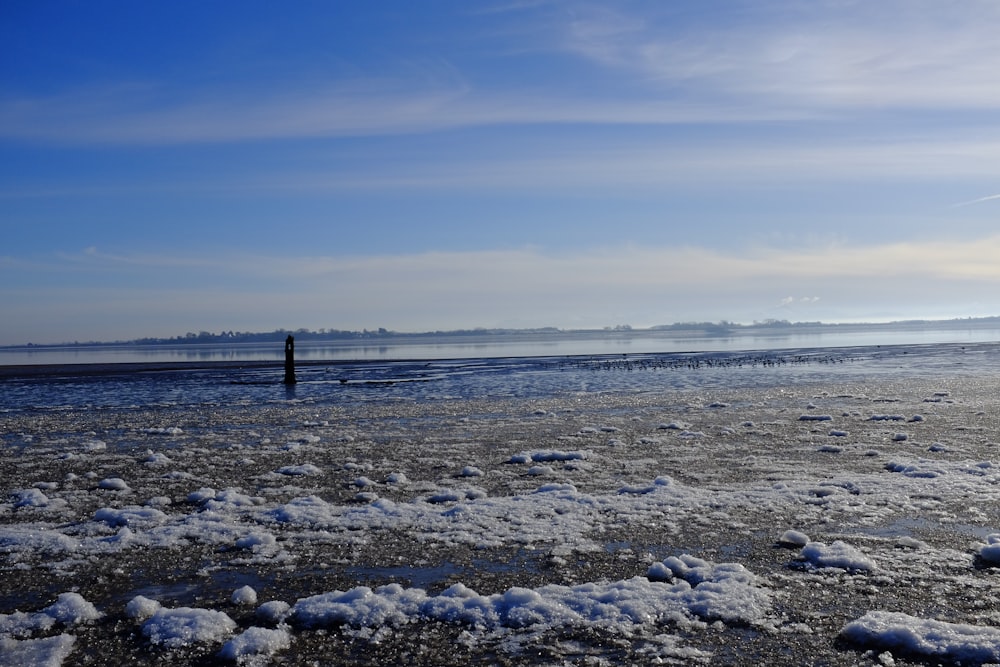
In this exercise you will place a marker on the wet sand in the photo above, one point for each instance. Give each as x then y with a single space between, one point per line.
496 495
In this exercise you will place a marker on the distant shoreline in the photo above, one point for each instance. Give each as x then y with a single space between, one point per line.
683 329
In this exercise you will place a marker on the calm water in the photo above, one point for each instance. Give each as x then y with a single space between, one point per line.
517 345
221 385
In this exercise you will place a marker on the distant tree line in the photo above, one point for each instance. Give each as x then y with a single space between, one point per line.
720 328
279 335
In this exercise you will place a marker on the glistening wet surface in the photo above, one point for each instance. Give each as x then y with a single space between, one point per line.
633 523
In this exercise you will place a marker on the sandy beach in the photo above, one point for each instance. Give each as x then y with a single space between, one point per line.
778 526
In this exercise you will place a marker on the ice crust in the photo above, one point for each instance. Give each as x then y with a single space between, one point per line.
69 609
675 523
42 652
838 555
693 588
256 642
184 626
958 643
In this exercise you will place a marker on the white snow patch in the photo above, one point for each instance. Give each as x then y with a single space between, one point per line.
68 609
306 469
72 609
244 595
837 555
113 484
201 495
132 515
140 608
29 498
955 642
36 542
673 426
555 455
256 541
444 496
184 626
255 641
698 589
275 611
156 459
920 469
47 652
990 552
793 538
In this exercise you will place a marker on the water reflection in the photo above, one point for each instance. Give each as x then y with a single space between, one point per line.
362 382
563 344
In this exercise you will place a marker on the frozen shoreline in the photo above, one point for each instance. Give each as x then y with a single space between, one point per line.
522 531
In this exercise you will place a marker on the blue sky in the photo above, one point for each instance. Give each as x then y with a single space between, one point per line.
169 167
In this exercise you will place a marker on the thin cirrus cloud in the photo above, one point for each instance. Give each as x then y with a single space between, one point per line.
596 271
782 63
594 164
669 166
435 290
822 67
978 200
872 56
114 117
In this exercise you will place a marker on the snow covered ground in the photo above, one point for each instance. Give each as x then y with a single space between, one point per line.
835 523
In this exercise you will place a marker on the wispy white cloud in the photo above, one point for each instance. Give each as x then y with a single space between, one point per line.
113 117
775 62
602 166
664 164
976 201
833 55
792 300
593 164
427 291
627 266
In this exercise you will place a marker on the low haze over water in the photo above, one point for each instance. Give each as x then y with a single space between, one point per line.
517 345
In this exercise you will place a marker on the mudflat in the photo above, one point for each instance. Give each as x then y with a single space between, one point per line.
816 523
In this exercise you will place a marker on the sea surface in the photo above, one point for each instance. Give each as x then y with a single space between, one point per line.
518 344
156 376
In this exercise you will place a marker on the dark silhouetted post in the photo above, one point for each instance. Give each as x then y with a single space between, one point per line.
290 360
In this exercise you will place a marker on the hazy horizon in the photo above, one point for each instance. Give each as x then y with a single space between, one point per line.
242 166
665 329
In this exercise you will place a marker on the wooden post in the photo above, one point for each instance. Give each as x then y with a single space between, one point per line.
290 360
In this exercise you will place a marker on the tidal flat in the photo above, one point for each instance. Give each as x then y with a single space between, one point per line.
835 523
